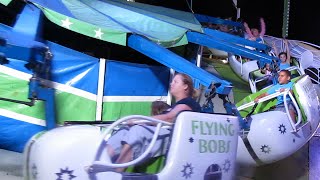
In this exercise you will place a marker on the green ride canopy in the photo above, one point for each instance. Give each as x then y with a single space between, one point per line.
111 20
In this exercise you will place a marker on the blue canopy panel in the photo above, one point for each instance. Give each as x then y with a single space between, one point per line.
179 18
73 68
145 80
68 66
55 5
15 133
176 62
212 42
235 39
157 23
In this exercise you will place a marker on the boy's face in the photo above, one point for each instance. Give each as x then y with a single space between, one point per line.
283 78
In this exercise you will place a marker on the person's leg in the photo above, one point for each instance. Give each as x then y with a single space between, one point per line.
114 143
134 144
110 150
292 112
126 155
293 115
131 144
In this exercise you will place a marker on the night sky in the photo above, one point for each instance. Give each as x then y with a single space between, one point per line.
304 17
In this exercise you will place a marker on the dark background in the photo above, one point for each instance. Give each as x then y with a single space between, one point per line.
304 17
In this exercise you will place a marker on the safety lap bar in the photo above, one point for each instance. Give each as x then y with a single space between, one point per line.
259 79
294 126
271 96
266 98
96 165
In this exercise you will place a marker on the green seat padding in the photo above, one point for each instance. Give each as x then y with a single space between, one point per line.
297 98
264 106
294 62
151 166
256 74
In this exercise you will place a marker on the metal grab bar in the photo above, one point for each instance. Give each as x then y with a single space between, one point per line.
294 126
316 74
98 165
265 77
266 98
271 96
241 62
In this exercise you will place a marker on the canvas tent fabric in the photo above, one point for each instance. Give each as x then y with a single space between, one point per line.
5 2
74 76
111 20
75 97
297 48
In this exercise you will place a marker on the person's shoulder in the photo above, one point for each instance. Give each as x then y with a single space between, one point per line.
290 83
273 88
192 103
277 85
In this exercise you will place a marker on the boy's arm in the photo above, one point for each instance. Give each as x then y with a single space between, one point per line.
260 96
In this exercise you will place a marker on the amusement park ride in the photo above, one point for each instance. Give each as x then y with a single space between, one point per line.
202 145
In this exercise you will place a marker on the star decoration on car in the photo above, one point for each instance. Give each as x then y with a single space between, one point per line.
34 171
191 140
226 165
187 171
266 149
65 174
282 129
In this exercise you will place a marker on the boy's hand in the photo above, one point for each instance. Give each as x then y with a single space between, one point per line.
131 122
282 89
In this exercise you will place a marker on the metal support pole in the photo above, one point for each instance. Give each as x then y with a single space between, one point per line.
102 70
285 21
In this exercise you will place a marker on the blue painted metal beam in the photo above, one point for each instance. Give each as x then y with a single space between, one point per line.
172 60
209 19
25 34
235 39
29 22
23 42
209 41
